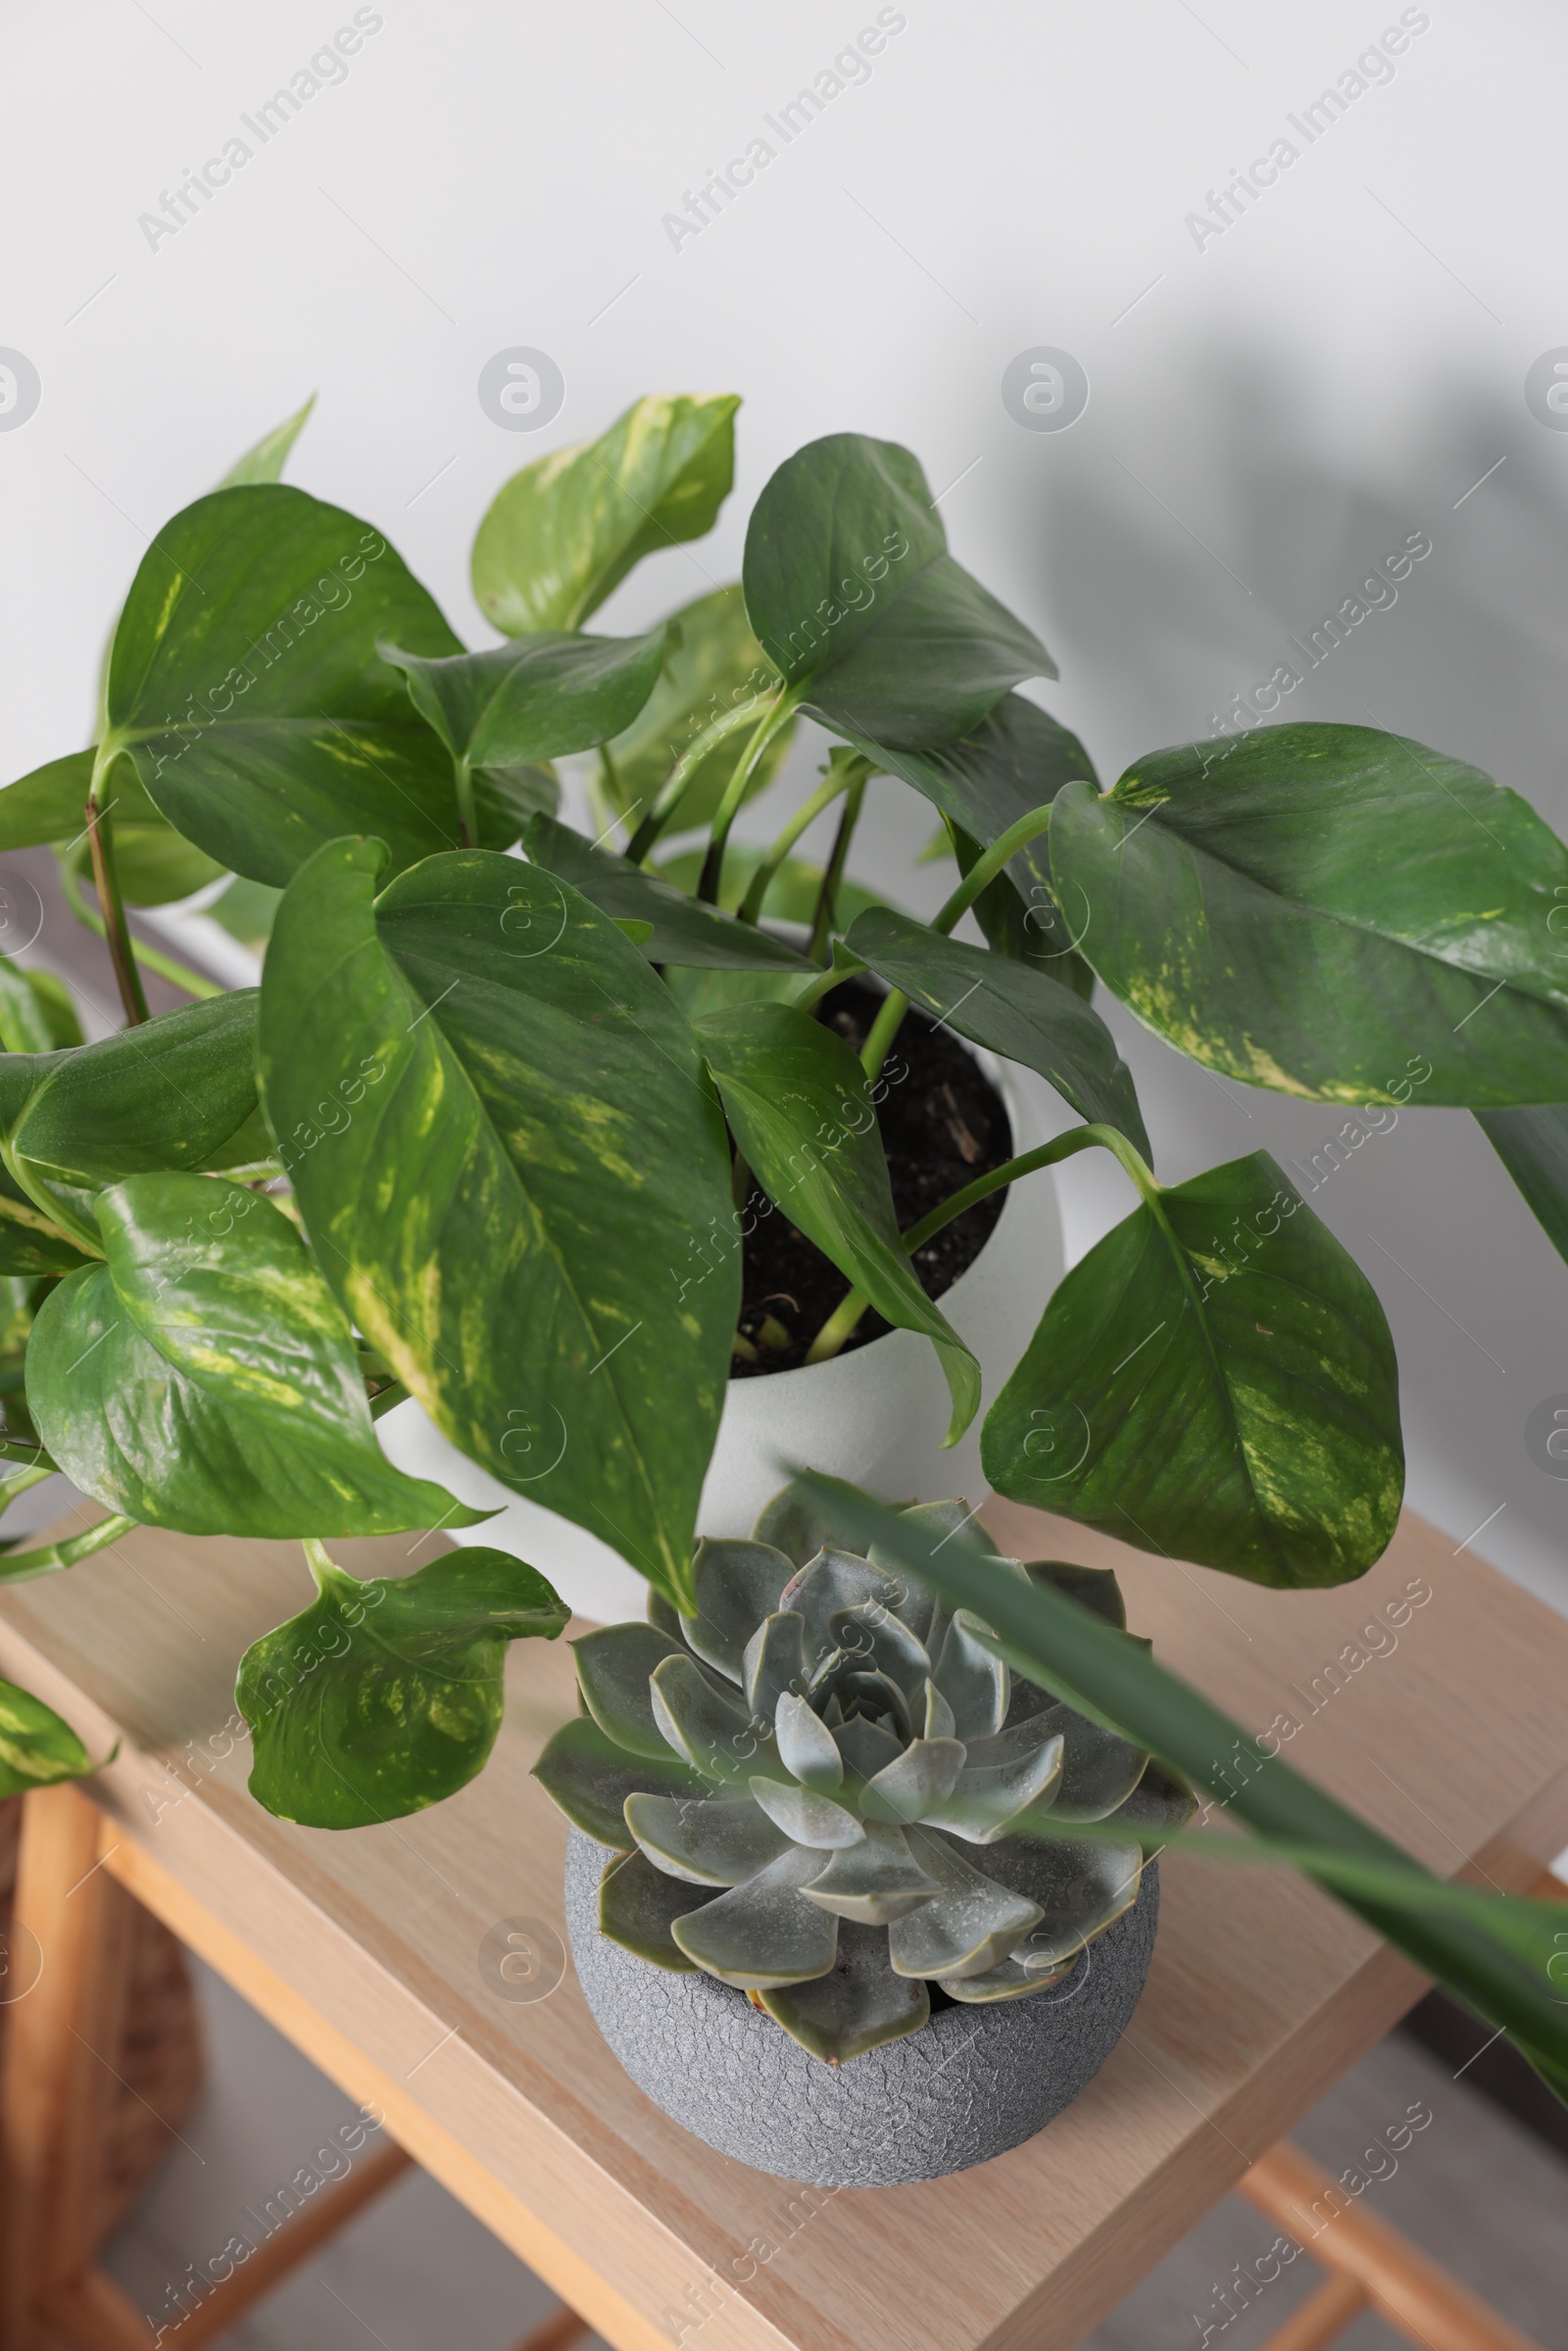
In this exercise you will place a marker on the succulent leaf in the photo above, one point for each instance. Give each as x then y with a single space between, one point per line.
972 1679
1006 1980
1080 1888
940 1720
800 1528
613 1666
991 1795
1161 1801
879 1640
637 1906
857 2005
737 1585
875 1694
806 1745
917 1785
833 1581
1100 1770
590 1778
761 1935
865 1747
716 1841
874 1881
967 1926
807 1818
714 1734
773 1662
1092 1588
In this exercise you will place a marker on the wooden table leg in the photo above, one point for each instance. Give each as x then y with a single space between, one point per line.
59 2081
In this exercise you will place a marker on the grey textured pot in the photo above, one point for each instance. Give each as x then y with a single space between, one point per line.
970 2084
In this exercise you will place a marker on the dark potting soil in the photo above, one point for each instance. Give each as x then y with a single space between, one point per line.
943 1123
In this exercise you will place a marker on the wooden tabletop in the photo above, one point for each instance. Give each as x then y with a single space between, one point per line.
1447 1725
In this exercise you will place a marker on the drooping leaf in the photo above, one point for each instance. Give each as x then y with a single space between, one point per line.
512 1170
1215 1380
1533 1145
511 706
800 1110
383 1698
1330 911
713 664
36 1749
683 930
204 1377
265 462
564 532
1011 1009
855 600
246 685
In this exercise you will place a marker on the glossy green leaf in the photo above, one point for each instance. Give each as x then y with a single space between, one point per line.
36 1749
24 1250
855 599
507 799
204 1377
564 532
712 663
683 930
1032 931
512 1170
1533 1145
1010 1008
264 460
154 864
51 803
537 698
1215 1380
37 1011
246 684
383 1698
1330 911
801 1109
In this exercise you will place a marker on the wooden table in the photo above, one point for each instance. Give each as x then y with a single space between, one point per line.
369 1951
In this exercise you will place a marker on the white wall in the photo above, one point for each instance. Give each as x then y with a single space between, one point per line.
1279 408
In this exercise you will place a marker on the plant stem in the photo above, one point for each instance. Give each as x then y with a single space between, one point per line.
20 1567
826 793
31 1456
886 1026
468 815
672 791
844 967
775 719
845 1319
105 881
179 975
827 898
36 1474
321 1565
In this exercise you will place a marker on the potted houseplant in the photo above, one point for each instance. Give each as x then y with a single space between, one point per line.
507 1149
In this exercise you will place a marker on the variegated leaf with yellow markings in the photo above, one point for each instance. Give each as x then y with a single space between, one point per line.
514 1171
204 1377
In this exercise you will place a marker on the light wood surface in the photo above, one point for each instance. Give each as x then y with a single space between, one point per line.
366 1948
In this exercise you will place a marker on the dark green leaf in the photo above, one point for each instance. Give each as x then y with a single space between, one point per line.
1215 1381
537 698
564 532
204 1377
801 1113
383 1698
266 461
1330 911
1028 933
51 803
853 596
514 1172
23 1250
246 684
683 930
713 664
36 1749
36 1012
1011 1009
506 800
1533 1145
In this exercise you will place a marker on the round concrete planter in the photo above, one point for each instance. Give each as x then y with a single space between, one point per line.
971 2083
876 1415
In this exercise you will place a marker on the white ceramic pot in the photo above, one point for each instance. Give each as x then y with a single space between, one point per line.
876 1415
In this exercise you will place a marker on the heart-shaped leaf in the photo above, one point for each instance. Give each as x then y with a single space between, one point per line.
514 1172
204 1377
1215 1380
36 1749
801 1109
564 532
537 698
681 929
1008 1008
713 664
246 684
383 1698
855 600
1327 910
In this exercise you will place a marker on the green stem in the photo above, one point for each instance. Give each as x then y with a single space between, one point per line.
467 814
773 724
844 967
826 793
105 881
20 1567
35 1473
884 1028
672 791
827 898
31 1456
845 1319
177 974
321 1565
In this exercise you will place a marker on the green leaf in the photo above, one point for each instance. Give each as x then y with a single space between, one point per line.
23 1250
1533 1145
801 1109
613 1665
507 799
712 663
583 1771
51 803
1215 1380
683 930
204 1379
383 1698
564 532
36 1749
266 461
1330 911
37 1011
1010 1008
538 699
792 893
1496 1951
155 866
246 684
514 1172
246 911
853 594
1033 933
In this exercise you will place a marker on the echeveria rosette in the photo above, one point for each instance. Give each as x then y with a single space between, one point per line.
824 1790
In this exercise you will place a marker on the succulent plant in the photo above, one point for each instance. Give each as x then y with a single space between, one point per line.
825 1789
